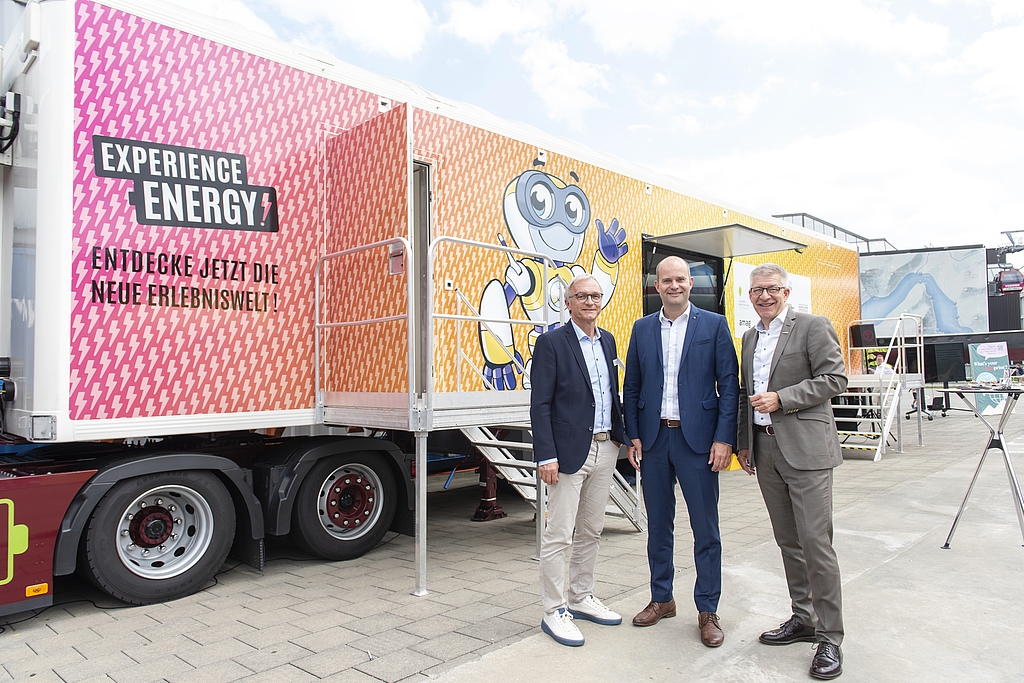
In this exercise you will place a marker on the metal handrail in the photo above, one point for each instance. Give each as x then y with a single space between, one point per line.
318 325
508 251
894 383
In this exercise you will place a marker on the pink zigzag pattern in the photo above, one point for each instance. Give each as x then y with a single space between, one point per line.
140 80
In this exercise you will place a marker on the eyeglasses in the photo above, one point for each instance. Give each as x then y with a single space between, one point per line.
583 297
757 291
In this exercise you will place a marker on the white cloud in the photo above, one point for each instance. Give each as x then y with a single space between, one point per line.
653 26
1005 9
688 123
889 179
486 23
564 85
228 10
999 55
395 28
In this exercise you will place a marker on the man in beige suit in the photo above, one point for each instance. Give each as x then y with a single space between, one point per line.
791 366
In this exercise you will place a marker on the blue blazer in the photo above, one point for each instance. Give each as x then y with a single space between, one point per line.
707 382
562 403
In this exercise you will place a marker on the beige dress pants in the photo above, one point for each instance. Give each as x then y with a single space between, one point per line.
576 506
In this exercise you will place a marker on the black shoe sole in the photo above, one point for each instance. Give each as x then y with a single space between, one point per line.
789 641
828 677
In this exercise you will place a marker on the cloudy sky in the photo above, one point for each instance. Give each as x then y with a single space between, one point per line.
902 120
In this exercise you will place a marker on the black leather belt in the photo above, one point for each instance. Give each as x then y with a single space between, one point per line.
669 423
765 429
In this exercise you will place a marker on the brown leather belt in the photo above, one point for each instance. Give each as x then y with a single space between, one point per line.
669 423
602 436
765 429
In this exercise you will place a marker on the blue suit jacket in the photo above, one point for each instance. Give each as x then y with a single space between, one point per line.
562 403
707 382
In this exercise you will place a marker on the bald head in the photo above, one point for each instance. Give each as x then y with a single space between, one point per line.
672 262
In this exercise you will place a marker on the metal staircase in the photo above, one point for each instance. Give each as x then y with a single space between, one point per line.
624 500
875 398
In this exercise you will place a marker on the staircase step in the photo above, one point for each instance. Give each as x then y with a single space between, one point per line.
870 435
850 447
516 445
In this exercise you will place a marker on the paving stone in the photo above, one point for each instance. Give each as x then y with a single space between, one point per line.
213 634
351 676
271 636
514 599
458 598
377 623
328 662
323 620
42 665
432 627
12 652
449 646
217 672
475 612
87 620
326 639
200 656
155 670
262 620
271 656
150 650
384 643
368 608
493 629
93 667
91 649
397 665
421 608
285 673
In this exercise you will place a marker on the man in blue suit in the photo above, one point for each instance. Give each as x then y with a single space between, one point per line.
576 418
680 402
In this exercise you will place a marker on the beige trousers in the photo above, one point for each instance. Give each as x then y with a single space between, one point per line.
576 506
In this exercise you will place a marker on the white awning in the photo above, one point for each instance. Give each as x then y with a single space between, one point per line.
727 241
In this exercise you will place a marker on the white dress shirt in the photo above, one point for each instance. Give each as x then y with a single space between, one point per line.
767 341
673 333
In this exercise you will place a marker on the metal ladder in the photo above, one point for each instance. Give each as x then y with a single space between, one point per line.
624 500
880 407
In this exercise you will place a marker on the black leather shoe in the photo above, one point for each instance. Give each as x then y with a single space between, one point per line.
828 662
791 631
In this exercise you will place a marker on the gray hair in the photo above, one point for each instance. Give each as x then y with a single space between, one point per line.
581 278
768 270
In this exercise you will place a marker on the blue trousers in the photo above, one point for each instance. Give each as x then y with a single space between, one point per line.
668 459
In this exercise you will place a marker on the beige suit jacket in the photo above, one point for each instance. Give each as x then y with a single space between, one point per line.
807 371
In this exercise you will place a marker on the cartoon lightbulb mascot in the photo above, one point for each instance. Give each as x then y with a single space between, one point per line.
546 216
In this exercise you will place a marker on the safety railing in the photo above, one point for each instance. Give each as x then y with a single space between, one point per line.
319 324
475 316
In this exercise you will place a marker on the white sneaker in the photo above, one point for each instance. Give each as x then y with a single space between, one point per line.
591 609
560 627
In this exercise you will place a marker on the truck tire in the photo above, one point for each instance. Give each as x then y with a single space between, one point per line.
345 505
158 537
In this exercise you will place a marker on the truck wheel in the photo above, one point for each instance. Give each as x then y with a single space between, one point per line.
158 537
345 505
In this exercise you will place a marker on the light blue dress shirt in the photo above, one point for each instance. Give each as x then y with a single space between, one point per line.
600 381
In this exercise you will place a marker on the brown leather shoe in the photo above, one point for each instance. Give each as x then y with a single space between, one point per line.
710 632
655 612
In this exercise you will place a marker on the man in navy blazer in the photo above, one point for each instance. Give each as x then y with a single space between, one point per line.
680 402
576 418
